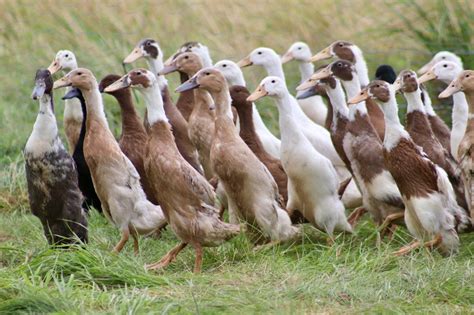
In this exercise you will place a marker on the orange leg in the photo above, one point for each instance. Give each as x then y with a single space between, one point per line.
356 215
408 248
198 261
135 243
168 258
388 221
125 235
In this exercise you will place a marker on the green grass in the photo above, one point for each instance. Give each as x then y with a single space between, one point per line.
353 276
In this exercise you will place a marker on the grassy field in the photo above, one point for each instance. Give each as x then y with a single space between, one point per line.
355 275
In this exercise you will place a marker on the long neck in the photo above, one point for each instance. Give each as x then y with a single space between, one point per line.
223 102
352 87
82 134
470 102
414 102
428 105
247 127
94 104
289 129
361 67
460 110
156 65
129 114
45 124
338 102
154 104
394 130
275 69
238 79
306 70
359 108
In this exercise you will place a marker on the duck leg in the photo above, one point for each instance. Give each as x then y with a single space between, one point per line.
135 243
125 235
434 242
388 221
168 258
198 261
408 248
355 216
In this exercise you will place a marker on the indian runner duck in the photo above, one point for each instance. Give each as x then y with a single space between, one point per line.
83 173
352 53
385 73
133 138
151 51
306 168
51 175
425 187
314 106
438 57
464 82
251 190
420 131
66 61
447 71
116 180
234 76
186 197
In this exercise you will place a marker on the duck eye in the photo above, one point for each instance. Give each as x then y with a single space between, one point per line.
443 57
259 53
67 55
273 81
79 73
377 86
186 57
139 73
339 64
445 66
224 65
208 73
467 75
341 44
148 43
299 48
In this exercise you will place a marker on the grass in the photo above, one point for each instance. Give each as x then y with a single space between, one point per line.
353 276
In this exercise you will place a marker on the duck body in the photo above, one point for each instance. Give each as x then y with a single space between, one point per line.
53 191
133 138
84 175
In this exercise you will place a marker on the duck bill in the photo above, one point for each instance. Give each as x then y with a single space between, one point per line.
397 85
362 96
134 55
54 67
322 74
426 68
188 85
168 69
287 57
245 62
323 54
38 91
428 76
63 82
121 83
74 92
454 87
306 94
257 94
306 84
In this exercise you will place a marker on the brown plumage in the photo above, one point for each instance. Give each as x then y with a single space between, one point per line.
133 137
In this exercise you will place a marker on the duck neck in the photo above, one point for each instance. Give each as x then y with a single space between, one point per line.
306 70
247 127
130 118
223 102
238 80
394 130
359 108
275 69
45 124
460 110
414 101
361 67
428 105
338 102
470 102
352 87
156 65
154 104
289 129
94 105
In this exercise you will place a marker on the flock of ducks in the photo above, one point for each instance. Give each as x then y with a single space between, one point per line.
342 146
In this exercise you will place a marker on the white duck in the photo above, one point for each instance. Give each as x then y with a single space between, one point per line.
312 179
313 106
447 71
441 56
65 60
234 76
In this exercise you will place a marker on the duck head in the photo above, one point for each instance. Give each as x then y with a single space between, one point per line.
107 81
43 84
146 48
378 90
80 78
385 73
299 51
441 56
64 60
209 79
270 86
341 69
136 78
186 62
445 71
407 82
340 49
231 72
239 95
261 57
464 82
195 47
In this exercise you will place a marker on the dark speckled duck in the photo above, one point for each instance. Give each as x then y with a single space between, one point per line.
51 173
